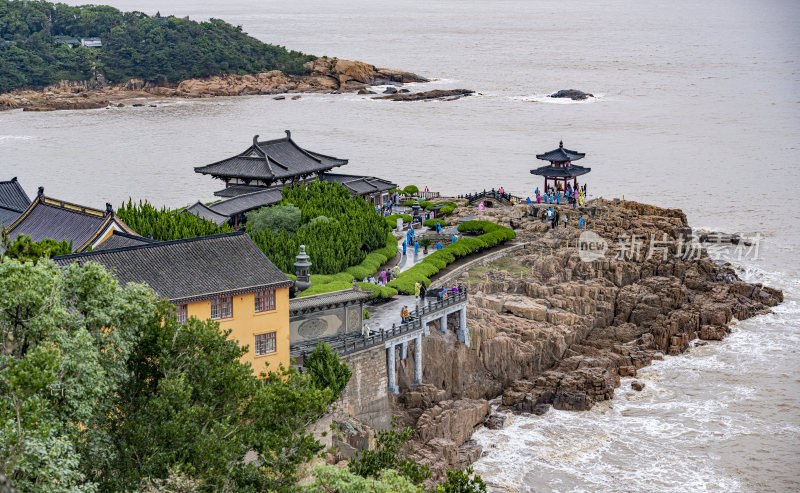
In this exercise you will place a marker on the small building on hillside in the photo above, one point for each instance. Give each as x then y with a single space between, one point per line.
274 164
224 277
91 42
13 202
203 211
58 220
67 40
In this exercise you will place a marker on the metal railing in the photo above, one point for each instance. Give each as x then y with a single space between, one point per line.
490 194
352 342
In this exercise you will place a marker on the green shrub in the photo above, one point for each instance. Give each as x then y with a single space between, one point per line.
428 206
409 203
391 220
165 225
326 370
276 218
411 190
365 314
431 223
326 288
381 292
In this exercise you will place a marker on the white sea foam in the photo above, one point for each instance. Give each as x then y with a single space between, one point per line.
545 98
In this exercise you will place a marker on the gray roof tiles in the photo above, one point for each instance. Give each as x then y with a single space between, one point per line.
270 160
247 202
321 301
122 240
12 199
201 210
565 172
561 155
359 185
191 269
47 220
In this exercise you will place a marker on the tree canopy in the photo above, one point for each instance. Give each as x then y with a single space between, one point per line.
135 45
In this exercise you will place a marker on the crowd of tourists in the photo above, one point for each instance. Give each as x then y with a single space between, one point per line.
552 195
421 294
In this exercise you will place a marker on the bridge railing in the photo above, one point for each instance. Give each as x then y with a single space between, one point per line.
486 194
352 342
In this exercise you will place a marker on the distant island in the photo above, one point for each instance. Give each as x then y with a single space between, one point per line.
56 56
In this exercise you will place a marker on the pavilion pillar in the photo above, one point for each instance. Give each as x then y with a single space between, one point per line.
443 323
418 360
404 350
390 370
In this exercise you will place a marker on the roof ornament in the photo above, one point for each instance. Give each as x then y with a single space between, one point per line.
40 193
14 179
288 134
109 209
560 144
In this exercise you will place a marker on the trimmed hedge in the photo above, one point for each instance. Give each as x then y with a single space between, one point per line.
411 189
431 223
494 234
383 292
326 288
391 220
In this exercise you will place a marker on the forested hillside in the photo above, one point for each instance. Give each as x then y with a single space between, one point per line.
134 45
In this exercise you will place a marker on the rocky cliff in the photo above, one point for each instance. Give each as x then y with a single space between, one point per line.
326 75
552 330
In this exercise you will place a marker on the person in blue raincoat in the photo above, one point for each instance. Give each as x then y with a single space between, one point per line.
454 239
439 245
405 245
416 247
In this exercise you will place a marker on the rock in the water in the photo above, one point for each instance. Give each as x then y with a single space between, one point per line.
279 98
295 98
390 90
443 94
120 105
404 90
573 94
495 421
637 386
137 105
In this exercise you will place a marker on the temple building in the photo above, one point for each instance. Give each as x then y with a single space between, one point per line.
224 277
58 220
561 168
13 201
264 168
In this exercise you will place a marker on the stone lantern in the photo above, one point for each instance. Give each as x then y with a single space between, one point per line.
416 208
302 267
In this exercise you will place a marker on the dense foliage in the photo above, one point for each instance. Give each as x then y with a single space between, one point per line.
135 45
23 248
349 231
493 234
327 371
459 481
390 452
332 479
164 224
277 218
101 389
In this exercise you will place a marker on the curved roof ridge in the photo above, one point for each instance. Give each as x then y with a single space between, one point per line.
289 139
150 245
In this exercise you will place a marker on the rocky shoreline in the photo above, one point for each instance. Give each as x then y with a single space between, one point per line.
550 330
327 75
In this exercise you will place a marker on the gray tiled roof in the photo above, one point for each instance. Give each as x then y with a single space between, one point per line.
321 301
561 155
270 160
201 210
8 216
47 220
13 198
121 240
359 185
247 202
567 171
191 269
236 190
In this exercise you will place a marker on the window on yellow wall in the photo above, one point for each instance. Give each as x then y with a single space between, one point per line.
266 343
265 300
180 313
222 308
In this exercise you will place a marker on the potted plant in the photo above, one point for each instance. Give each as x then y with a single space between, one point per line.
425 242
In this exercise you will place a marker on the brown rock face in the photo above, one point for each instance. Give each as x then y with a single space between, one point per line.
550 330
327 75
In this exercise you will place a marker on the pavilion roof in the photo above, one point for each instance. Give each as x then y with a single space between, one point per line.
561 155
203 211
119 239
563 172
247 202
12 196
47 217
191 269
359 185
236 190
270 160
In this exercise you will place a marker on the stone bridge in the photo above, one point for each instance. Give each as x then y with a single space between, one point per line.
490 198
397 337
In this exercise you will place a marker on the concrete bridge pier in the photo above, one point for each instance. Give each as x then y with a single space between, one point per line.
391 358
462 332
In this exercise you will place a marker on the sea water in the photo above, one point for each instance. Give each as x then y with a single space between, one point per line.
697 107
